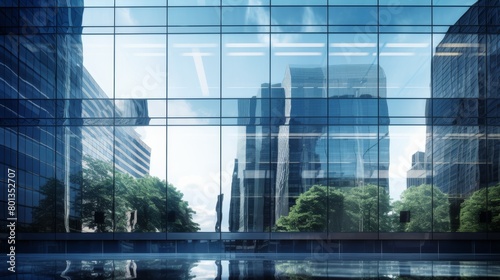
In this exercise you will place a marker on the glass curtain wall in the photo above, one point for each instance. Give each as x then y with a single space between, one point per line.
250 119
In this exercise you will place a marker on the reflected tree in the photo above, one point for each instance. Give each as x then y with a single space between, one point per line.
429 210
366 207
310 211
486 199
45 215
140 204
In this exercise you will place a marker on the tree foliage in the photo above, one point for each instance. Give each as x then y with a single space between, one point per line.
356 209
310 211
117 195
429 210
366 209
486 199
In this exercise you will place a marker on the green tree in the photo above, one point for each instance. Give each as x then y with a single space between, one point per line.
96 189
429 210
472 207
366 209
310 211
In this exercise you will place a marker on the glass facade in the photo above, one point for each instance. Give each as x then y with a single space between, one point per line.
261 124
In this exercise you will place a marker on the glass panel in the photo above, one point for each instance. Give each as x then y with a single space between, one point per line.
457 80
454 2
194 108
34 176
243 2
493 154
98 62
458 157
98 17
194 16
405 155
400 15
84 163
298 2
301 187
298 65
120 3
87 3
42 17
248 173
352 49
451 16
413 79
245 56
9 66
352 2
194 171
404 107
138 111
353 16
141 66
298 16
353 178
396 5
196 2
349 108
37 67
69 77
493 67
245 16
194 64
141 17
140 172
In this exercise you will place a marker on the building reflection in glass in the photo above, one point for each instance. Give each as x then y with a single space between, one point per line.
258 269
298 148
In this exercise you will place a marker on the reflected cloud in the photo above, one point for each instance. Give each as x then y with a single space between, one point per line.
124 15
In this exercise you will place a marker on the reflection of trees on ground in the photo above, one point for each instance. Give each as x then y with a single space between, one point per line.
127 269
140 204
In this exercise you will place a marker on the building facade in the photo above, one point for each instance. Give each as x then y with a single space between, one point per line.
133 120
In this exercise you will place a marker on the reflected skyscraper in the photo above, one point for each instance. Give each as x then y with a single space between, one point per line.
252 186
463 100
300 147
59 115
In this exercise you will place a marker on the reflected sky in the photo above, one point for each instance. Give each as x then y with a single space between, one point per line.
165 267
213 66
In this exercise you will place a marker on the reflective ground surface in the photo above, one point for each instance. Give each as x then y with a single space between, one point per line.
164 266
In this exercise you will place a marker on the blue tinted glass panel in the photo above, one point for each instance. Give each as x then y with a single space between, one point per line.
193 16
141 16
353 16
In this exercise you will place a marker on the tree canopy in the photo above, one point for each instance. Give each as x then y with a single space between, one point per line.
355 209
119 197
486 199
429 210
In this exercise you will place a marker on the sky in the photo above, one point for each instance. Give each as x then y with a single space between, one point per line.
200 162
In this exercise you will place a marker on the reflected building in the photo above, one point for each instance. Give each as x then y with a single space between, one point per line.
419 172
54 115
299 148
252 185
463 101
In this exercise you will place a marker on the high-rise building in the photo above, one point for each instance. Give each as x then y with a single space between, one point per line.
463 101
298 149
50 111
117 113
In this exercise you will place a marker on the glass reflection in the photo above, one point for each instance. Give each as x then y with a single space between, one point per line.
168 268
193 168
141 66
198 54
